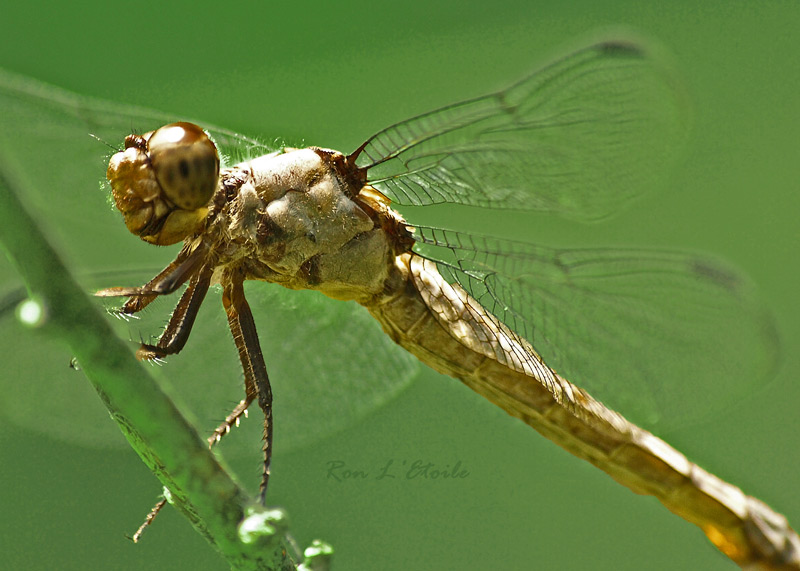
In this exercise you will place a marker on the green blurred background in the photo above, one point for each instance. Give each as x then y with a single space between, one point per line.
331 74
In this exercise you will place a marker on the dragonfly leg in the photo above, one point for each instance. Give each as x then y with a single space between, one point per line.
230 420
168 280
136 537
180 323
256 380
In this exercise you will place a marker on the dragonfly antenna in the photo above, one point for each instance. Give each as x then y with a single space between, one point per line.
106 143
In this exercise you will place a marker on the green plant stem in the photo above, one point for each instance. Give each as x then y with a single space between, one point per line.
199 487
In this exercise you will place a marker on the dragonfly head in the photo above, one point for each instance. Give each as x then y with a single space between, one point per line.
163 181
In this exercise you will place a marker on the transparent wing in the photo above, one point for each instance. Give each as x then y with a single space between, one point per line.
44 136
50 136
663 337
581 137
329 363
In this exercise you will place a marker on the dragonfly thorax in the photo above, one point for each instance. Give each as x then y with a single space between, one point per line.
295 220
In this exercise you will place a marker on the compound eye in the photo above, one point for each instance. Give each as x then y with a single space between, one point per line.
186 164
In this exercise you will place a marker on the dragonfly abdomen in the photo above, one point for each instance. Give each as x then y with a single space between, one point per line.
452 333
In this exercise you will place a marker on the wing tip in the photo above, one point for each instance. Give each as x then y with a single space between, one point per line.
621 47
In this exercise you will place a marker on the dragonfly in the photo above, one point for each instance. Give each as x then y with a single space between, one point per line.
580 137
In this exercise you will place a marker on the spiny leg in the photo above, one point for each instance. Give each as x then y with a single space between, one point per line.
172 341
256 380
231 420
177 333
148 520
168 280
180 323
